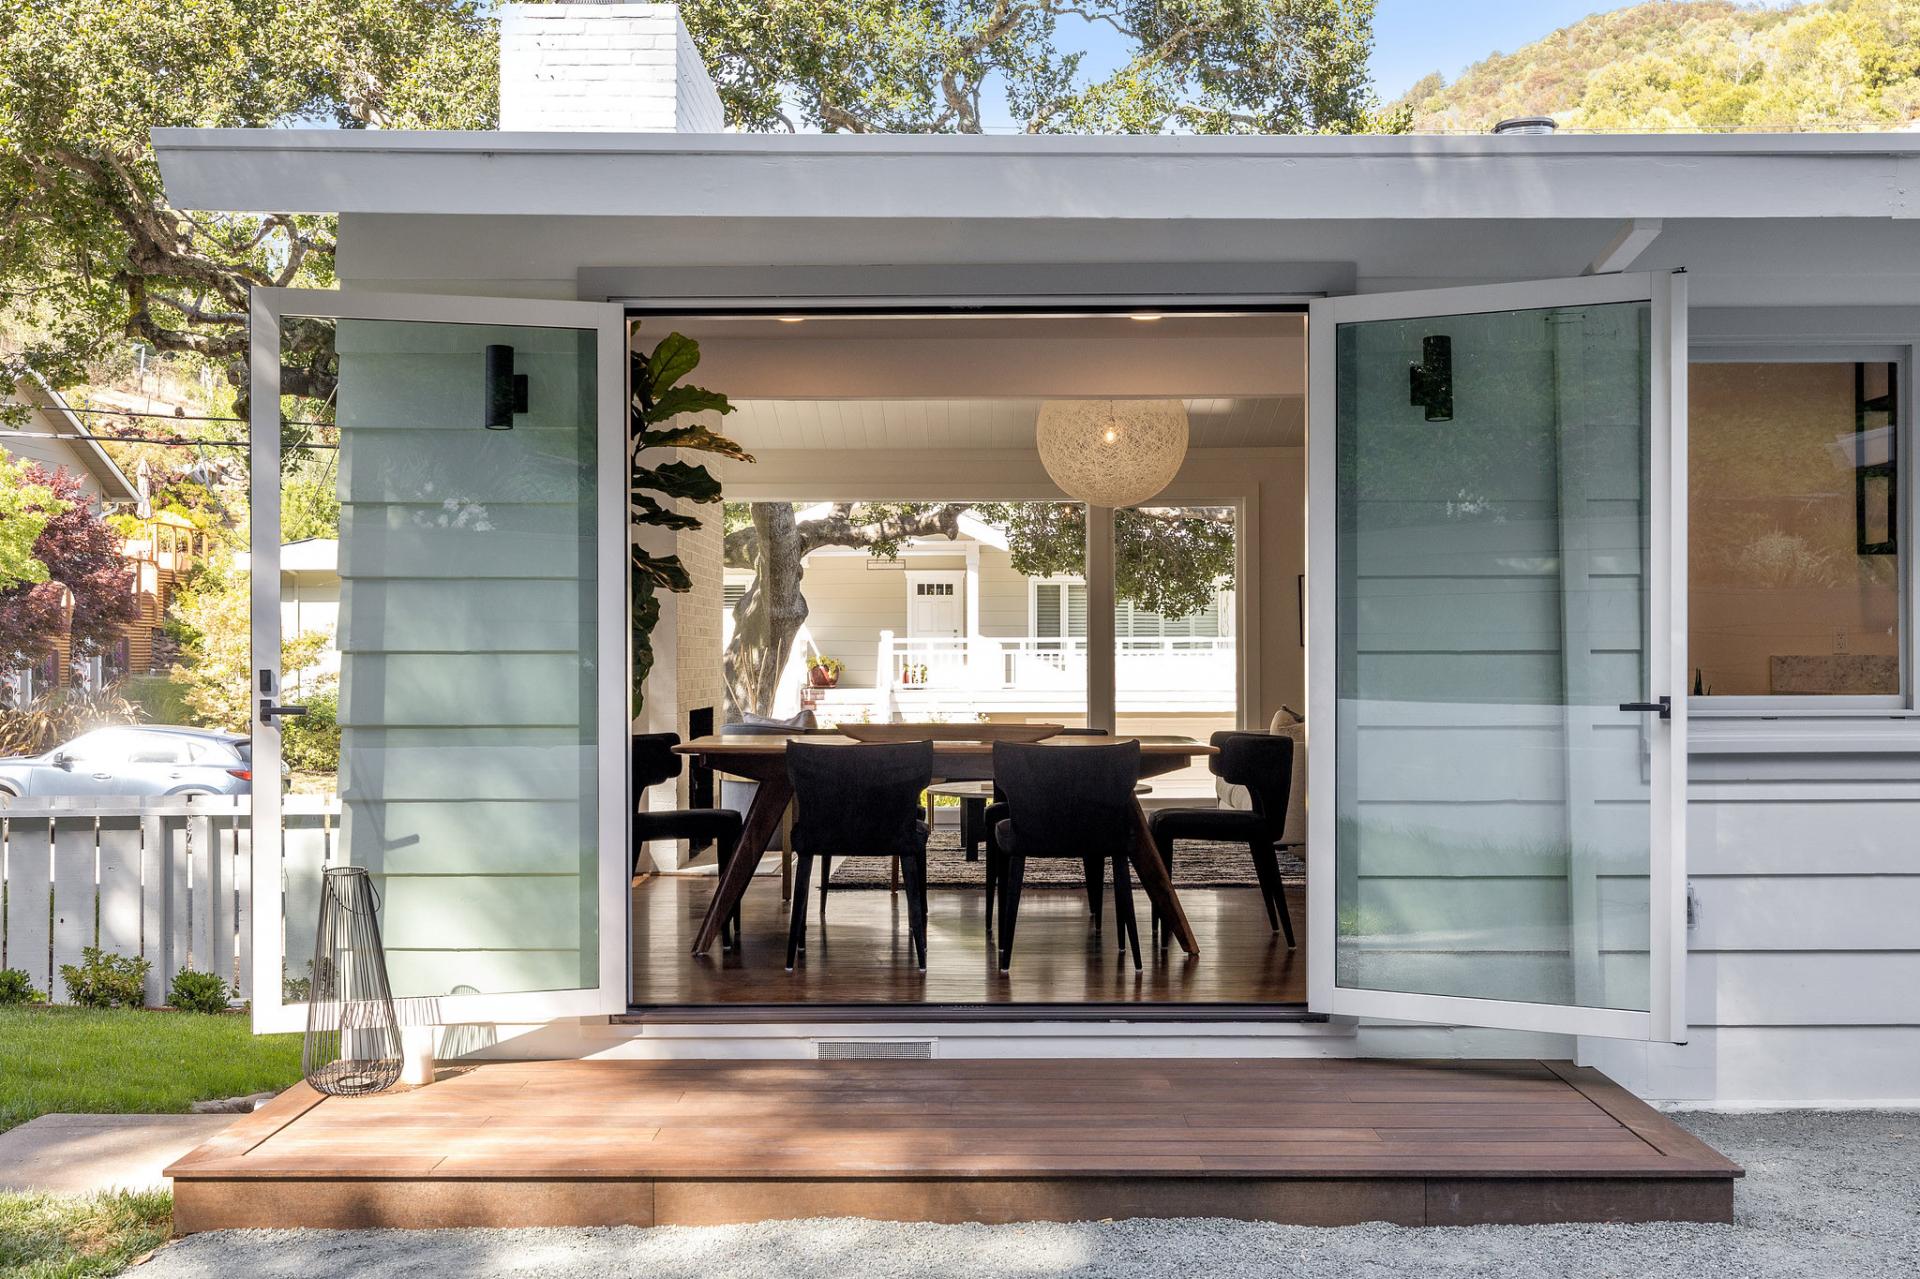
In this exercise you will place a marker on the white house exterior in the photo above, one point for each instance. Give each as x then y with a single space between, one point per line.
1739 877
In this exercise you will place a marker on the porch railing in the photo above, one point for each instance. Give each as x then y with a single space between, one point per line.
168 879
1041 662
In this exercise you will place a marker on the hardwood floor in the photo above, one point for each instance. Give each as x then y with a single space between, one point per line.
607 1142
860 956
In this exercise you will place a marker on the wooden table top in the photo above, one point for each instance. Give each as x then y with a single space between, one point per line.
767 743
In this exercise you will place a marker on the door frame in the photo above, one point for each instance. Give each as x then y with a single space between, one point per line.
269 306
1667 629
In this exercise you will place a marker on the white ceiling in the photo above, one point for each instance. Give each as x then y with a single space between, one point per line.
889 425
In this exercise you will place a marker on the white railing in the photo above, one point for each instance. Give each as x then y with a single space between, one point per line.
167 879
1041 662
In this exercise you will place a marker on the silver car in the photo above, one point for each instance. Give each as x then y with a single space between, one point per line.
147 759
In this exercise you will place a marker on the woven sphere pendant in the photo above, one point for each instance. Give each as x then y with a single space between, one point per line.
352 1045
1112 452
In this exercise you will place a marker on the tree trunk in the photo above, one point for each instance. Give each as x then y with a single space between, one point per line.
771 613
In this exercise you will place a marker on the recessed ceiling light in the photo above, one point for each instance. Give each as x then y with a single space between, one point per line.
793 319
1146 315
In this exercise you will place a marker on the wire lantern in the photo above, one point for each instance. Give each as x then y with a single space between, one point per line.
352 1046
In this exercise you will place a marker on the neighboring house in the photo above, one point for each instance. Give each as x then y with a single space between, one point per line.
309 594
54 437
1527 519
949 629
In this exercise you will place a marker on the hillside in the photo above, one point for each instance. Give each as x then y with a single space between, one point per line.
1698 64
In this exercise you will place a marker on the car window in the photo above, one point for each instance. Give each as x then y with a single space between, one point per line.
107 744
156 748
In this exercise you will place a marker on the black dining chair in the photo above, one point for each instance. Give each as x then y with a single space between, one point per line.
860 801
1064 802
653 761
1263 763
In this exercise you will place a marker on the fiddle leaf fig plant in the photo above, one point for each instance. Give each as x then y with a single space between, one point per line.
658 482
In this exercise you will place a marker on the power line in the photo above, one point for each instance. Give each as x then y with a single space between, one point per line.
178 441
188 417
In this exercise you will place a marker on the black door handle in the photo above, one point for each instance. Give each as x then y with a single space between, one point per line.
1663 707
268 711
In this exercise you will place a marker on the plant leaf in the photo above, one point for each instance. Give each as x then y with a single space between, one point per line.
664 572
687 399
675 357
677 479
642 509
698 438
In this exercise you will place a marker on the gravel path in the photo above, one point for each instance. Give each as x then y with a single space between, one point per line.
1825 1195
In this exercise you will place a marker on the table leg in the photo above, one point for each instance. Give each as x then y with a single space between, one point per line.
763 818
1158 883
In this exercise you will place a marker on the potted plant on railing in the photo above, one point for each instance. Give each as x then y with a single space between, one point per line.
824 672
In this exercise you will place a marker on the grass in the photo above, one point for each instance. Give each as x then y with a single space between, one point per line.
129 1061
76 1236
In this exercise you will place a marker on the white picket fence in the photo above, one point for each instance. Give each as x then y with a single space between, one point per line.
165 878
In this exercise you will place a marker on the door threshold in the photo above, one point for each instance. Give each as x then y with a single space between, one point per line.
921 1014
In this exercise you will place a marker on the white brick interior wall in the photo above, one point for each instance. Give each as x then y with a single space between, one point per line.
606 65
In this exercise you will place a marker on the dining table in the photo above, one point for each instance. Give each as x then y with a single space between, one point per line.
763 761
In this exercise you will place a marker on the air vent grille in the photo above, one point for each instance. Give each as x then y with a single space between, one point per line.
873 1049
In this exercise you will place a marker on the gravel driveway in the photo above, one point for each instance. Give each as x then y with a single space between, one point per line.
1825 1195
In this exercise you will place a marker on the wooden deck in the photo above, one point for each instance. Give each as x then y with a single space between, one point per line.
703 1142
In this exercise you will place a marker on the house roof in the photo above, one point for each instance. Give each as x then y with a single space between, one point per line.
64 424
944 177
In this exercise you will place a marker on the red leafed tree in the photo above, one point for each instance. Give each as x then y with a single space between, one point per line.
85 572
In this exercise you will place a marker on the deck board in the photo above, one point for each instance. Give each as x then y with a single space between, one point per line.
700 1142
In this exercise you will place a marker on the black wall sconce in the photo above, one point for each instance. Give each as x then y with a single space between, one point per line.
506 391
1430 382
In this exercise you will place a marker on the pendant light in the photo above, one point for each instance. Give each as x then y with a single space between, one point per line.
1112 452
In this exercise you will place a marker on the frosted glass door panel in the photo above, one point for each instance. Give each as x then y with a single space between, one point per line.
466 654
1492 556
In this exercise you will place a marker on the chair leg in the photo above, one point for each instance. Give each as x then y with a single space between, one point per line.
826 873
797 930
995 866
916 876
1096 868
786 855
1268 872
1123 908
893 876
1162 935
1266 858
730 926
973 815
1013 875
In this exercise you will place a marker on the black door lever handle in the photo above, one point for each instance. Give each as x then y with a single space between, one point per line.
1663 707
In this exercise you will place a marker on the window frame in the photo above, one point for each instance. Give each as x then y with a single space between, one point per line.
1775 706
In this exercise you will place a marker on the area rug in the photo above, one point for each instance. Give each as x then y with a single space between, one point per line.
1196 864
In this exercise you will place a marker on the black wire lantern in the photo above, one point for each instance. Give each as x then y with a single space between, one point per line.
352 1045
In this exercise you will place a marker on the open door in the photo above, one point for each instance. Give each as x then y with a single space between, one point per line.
474 634
1496 656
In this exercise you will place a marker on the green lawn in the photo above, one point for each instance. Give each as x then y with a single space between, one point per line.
126 1061
77 1237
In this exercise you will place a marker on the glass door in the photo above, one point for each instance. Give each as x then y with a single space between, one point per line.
1496 636
464 626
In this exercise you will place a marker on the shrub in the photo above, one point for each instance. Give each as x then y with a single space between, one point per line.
16 987
103 980
310 743
193 992
60 716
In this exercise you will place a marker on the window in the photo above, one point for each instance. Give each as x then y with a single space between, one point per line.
1794 555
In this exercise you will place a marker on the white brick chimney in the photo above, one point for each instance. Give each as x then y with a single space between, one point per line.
609 65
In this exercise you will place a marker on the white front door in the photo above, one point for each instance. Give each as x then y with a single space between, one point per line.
936 604
1496 656
479 458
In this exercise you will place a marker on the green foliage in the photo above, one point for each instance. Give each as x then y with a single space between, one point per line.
193 992
1702 64
92 254
103 979
656 420
922 66
310 499
132 1061
212 624
310 743
16 987
25 508
159 699
46 1236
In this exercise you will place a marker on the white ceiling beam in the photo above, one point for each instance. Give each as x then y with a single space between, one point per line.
1628 243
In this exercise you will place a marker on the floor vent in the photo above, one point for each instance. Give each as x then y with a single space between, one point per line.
873 1049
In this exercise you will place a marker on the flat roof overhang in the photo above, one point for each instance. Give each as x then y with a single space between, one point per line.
908 177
